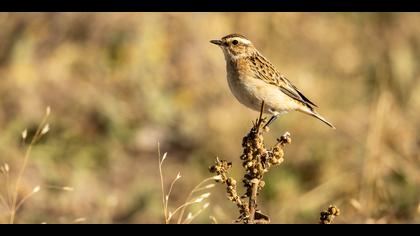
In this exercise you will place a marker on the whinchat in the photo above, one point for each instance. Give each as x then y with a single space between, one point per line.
253 79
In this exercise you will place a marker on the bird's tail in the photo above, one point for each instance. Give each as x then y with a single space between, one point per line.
318 116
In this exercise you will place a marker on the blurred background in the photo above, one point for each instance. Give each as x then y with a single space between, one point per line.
119 83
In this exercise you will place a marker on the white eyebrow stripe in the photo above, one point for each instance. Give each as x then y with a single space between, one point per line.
242 40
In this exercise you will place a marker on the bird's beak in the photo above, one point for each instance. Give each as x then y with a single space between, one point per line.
216 41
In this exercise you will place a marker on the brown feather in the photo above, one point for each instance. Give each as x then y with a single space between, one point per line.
263 69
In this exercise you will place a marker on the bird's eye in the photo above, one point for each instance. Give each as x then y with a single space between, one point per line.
235 42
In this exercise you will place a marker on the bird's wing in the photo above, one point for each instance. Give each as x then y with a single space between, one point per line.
265 71
288 88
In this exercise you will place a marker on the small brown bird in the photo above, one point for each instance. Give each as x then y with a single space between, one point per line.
253 79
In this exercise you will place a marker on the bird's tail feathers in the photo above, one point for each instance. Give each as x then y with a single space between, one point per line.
318 116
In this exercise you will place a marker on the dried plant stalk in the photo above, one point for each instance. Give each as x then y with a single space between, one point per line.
256 160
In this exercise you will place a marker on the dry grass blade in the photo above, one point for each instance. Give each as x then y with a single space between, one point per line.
191 217
197 188
169 215
165 209
42 129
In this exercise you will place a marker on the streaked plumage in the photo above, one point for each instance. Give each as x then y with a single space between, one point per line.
253 79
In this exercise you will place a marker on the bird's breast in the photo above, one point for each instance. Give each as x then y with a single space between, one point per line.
251 91
243 87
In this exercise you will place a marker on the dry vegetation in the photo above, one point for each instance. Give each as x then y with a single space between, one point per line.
118 83
257 160
327 217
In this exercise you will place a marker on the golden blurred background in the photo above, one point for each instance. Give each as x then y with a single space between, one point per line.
119 83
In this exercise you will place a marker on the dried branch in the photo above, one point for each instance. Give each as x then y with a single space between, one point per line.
256 160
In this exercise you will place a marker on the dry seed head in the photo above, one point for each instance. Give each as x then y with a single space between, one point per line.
327 216
36 189
333 210
45 129
205 195
286 137
213 219
178 176
24 134
164 157
209 186
200 199
231 181
67 188
214 169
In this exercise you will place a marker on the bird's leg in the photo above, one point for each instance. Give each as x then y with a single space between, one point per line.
273 118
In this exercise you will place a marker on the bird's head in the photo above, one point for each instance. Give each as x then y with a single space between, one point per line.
235 46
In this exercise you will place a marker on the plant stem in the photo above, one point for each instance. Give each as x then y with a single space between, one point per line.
19 178
165 212
181 207
34 139
253 200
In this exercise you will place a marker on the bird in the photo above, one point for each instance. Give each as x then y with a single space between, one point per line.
254 80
